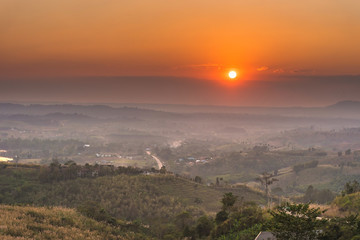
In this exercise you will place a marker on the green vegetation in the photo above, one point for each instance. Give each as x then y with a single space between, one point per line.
234 166
314 195
299 167
351 187
123 203
349 202
157 200
238 219
300 221
295 222
41 148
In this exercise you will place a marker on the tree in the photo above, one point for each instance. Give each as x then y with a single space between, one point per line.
198 179
318 196
93 210
204 226
243 222
342 228
55 171
267 179
351 187
228 201
221 217
309 194
163 170
296 222
348 152
183 220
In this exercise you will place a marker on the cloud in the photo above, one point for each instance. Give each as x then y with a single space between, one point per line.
272 69
263 68
278 70
281 70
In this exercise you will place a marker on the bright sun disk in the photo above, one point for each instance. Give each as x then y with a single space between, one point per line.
232 74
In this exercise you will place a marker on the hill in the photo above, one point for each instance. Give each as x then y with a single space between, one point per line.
346 105
348 202
24 222
100 111
155 200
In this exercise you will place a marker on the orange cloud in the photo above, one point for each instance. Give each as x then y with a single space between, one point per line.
263 68
278 70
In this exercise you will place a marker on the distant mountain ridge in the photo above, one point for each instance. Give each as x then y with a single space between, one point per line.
98 111
343 109
346 105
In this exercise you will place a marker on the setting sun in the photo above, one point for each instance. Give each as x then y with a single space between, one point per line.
232 74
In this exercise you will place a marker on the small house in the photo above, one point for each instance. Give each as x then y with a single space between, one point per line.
265 236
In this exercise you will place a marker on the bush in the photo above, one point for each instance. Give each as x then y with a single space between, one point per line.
93 210
295 221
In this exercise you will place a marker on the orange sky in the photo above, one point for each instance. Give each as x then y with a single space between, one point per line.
192 38
150 37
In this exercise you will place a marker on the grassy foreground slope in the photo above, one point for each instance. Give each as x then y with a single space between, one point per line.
55 223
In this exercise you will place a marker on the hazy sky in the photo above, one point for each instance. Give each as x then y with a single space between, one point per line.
180 51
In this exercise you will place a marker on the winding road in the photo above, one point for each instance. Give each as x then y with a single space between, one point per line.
159 163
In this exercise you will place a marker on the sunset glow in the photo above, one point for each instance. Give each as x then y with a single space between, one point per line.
273 41
232 74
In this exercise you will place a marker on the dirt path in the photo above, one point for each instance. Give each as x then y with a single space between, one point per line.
159 163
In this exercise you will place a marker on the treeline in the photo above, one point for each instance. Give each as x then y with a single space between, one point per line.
299 167
40 148
70 170
36 143
27 148
321 196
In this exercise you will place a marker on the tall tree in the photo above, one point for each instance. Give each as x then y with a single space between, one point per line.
267 179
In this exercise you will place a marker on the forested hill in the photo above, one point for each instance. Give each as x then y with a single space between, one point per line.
154 200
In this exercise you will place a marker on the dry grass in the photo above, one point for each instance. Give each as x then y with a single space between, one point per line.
51 223
331 210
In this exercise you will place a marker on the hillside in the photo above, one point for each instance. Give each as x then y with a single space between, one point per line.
154 199
24 222
348 202
140 194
